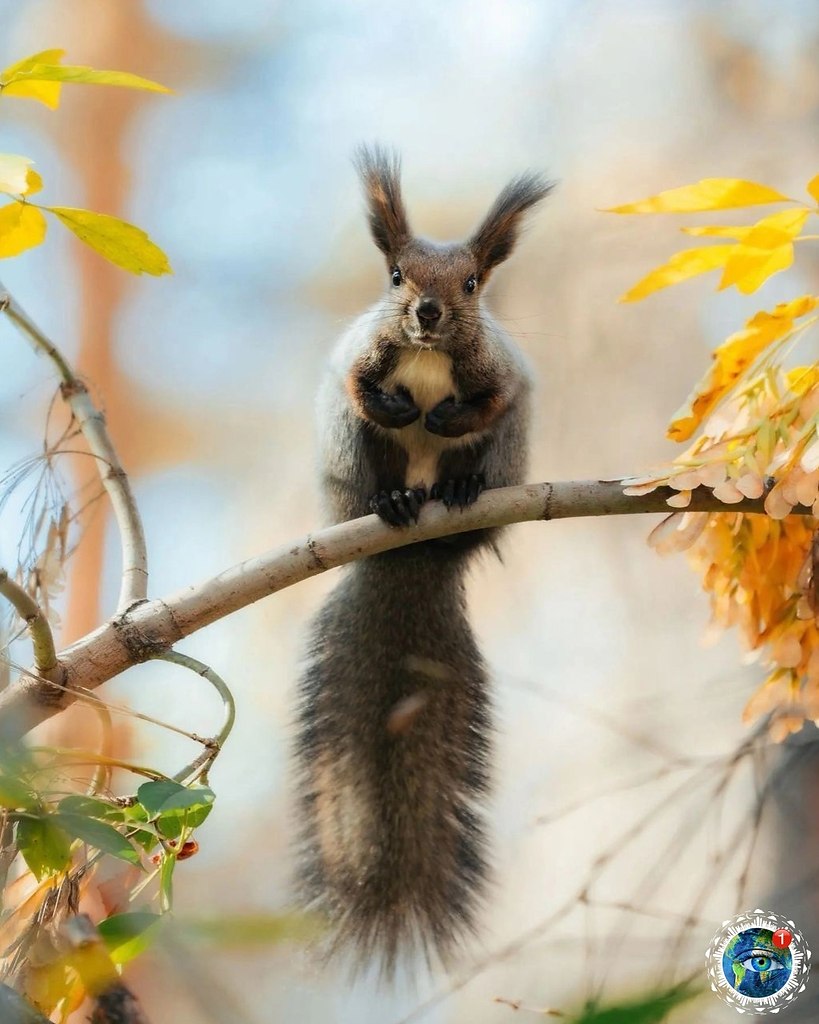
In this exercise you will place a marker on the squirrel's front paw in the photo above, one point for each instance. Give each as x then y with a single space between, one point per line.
462 491
399 508
391 411
450 419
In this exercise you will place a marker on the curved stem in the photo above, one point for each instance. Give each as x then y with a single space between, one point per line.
201 764
134 586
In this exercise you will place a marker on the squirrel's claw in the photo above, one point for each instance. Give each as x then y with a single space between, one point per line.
399 508
461 491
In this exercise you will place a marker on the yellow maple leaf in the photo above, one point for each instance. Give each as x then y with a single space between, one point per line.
813 188
21 227
680 267
708 194
120 243
47 93
733 358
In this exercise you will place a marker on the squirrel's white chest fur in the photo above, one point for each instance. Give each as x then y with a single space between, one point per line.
427 375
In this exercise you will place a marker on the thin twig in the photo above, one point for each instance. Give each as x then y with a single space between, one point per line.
91 422
155 626
42 639
201 765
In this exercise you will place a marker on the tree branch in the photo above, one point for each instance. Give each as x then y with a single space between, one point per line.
153 627
45 654
91 422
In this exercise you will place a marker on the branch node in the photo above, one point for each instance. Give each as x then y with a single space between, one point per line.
138 644
70 388
313 549
547 503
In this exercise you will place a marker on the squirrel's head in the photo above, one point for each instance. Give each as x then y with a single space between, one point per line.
435 289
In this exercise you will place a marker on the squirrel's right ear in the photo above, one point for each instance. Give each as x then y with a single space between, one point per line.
495 238
380 173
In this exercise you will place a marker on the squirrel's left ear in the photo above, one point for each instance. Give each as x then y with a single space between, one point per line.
494 240
380 173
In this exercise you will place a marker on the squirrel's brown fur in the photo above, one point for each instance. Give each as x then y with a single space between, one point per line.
426 397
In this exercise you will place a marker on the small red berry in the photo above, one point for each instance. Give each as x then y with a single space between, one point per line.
189 848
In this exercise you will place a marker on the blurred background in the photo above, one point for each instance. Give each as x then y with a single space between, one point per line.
624 829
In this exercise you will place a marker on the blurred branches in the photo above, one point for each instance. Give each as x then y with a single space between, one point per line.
91 422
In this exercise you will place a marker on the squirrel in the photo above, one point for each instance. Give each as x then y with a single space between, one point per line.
426 397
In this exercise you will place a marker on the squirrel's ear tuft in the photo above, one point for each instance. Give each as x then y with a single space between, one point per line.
380 172
496 237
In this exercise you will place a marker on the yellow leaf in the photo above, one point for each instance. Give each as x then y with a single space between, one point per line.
84 75
41 57
14 173
813 188
765 250
680 267
733 358
120 243
717 231
34 183
802 379
21 227
47 93
708 194
748 268
780 227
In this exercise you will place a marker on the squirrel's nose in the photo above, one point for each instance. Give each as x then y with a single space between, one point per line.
428 312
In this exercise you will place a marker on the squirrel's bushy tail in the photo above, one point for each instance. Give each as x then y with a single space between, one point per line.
393 745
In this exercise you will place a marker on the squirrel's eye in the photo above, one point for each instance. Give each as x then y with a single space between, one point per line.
471 284
396 277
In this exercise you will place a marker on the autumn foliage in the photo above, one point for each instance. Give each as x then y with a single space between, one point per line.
753 418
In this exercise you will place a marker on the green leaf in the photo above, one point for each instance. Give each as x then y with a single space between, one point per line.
187 809
16 795
143 837
128 935
98 834
152 795
174 807
81 75
122 244
44 846
90 807
647 1010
